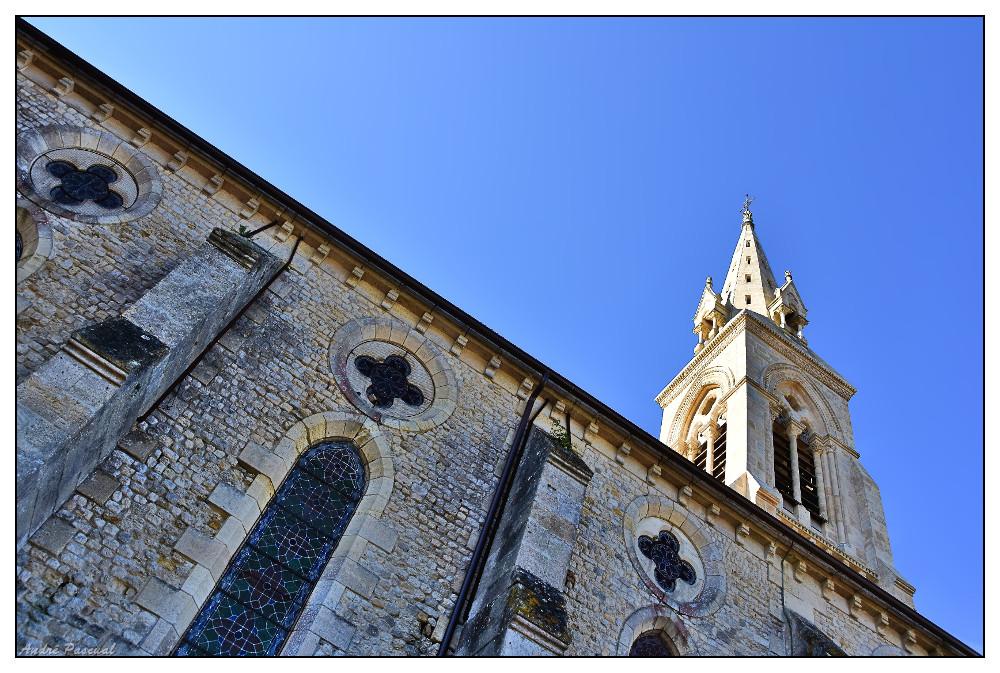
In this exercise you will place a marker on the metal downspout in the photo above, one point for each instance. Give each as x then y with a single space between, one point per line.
474 572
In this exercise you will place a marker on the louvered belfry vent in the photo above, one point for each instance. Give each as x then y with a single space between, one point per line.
719 455
783 465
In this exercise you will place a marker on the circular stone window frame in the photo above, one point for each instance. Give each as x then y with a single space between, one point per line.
36 236
682 523
34 143
357 332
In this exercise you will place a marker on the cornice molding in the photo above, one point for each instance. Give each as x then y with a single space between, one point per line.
717 343
799 355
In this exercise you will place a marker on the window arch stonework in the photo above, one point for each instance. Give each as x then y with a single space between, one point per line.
825 421
393 374
85 175
34 238
173 609
652 643
659 620
718 378
261 595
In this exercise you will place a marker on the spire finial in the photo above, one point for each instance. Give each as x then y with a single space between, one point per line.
747 215
788 275
708 281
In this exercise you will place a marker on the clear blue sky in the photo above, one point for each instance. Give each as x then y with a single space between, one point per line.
552 178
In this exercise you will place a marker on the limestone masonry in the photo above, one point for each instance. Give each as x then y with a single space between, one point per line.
241 432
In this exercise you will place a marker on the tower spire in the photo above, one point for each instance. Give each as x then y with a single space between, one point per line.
749 283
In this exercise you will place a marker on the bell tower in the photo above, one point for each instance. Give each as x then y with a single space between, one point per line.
764 414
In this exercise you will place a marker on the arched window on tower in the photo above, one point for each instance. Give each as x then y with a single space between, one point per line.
653 643
796 475
262 593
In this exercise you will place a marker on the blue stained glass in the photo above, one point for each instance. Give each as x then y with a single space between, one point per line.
267 584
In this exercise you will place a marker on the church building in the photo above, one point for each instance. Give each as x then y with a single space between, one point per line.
242 432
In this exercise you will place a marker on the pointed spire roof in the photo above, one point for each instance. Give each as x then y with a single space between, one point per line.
749 282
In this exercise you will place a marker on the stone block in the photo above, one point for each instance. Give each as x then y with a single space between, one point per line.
203 550
199 584
99 487
380 533
255 458
234 502
175 606
231 535
53 535
332 628
161 639
358 579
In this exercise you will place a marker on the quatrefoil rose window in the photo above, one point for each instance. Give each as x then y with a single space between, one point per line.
86 175
664 552
76 186
388 379
395 375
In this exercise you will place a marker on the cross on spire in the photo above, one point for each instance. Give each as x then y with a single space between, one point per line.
747 215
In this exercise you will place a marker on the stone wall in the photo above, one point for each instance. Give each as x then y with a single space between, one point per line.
94 271
78 582
608 589
125 562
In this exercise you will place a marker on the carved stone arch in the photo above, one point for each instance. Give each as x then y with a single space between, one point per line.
778 373
376 452
173 609
655 618
34 236
711 377
711 585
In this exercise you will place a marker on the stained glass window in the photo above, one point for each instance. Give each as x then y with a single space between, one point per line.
77 186
262 593
651 644
389 381
664 552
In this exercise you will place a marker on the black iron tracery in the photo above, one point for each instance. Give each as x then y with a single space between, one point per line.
664 551
266 586
77 186
389 381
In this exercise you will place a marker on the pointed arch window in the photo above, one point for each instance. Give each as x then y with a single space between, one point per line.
652 643
265 587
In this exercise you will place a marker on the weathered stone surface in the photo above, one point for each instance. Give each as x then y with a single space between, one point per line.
152 344
133 567
53 536
99 487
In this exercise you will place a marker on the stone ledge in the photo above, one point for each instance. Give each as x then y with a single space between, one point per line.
54 535
540 603
121 343
240 249
99 487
